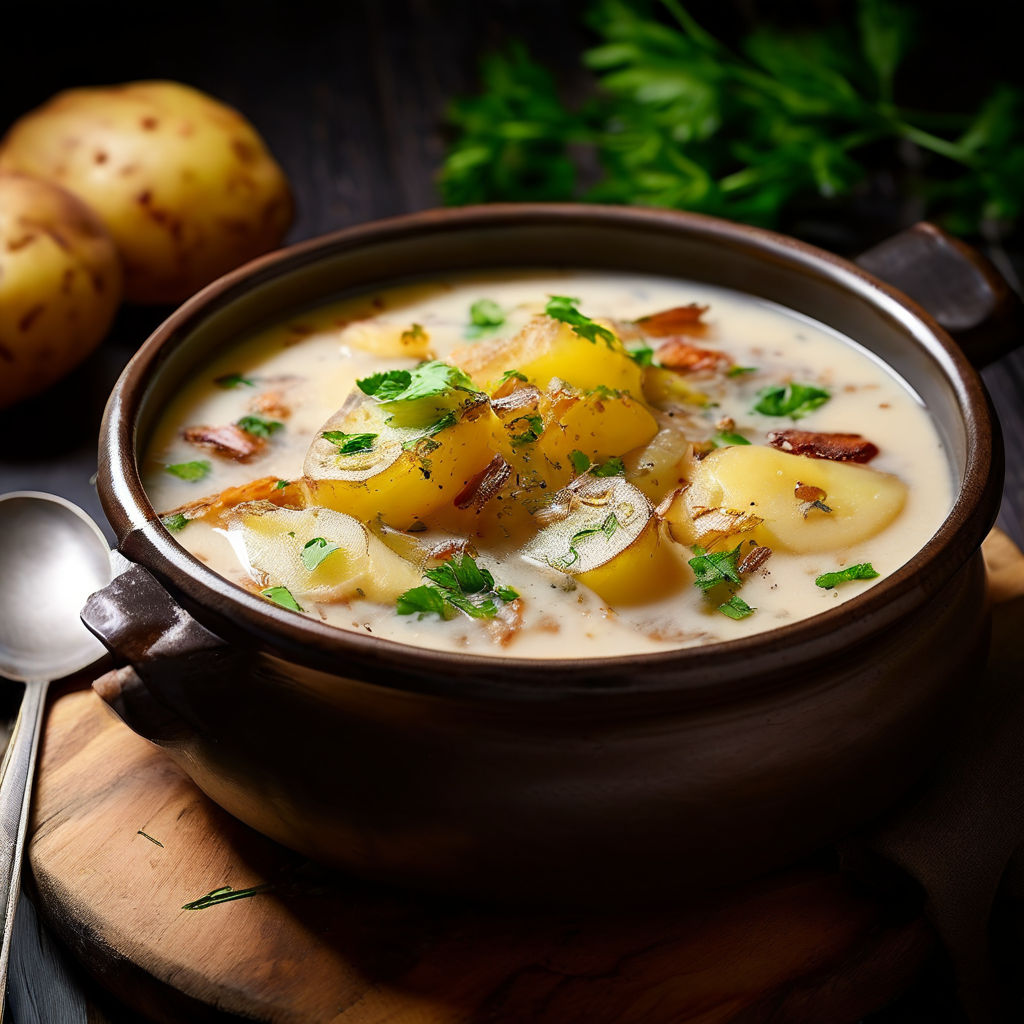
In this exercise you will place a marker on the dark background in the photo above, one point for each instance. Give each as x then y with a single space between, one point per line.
350 97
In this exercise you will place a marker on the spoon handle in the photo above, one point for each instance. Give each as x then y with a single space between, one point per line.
16 776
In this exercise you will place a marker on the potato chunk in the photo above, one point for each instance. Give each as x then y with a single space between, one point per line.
545 349
859 502
404 472
603 532
317 553
387 339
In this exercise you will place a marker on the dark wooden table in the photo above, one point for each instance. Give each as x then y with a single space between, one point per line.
350 98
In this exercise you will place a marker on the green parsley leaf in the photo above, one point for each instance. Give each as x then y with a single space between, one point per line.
426 381
507 594
613 467
861 571
283 597
259 426
534 428
457 585
316 550
233 380
740 371
736 608
580 462
642 356
605 528
486 313
386 385
225 894
350 444
793 400
281 485
714 567
422 440
512 375
190 470
175 522
730 437
562 307
423 600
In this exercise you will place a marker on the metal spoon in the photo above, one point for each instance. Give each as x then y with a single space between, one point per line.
52 557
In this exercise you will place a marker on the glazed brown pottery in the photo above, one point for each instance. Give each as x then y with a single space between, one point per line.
509 779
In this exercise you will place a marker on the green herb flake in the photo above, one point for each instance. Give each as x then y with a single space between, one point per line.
736 608
714 567
613 467
534 429
146 835
861 571
580 462
740 371
513 375
486 313
730 437
175 522
281 485
190 470
225 894
459 585
605 392
642 356
316 550
792 400
259 426
605 528
350 444
422 442
233 380
562 307
282 596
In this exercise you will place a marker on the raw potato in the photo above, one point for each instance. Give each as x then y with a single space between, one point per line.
183 182
60 285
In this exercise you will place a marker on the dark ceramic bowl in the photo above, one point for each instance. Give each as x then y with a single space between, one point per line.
515 779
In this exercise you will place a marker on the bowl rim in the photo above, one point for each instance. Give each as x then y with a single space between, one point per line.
698 670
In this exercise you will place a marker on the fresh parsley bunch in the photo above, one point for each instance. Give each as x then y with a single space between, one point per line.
677 119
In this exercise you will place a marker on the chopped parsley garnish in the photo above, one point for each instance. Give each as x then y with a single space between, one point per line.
233 380
283 597
281 485
350 444
580 462
730 437
486 313
459 585
642 356
534 428
259 426
613 467
422 439
740 371
736 608
793 400
189 470
605 392
861 571
714 567
605 528
562 307
225 894
426 381
316 550
512 375
175 522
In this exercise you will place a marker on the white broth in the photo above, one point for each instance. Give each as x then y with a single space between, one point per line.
300 372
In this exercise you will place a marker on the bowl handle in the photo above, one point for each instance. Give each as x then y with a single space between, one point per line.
956 284
166 652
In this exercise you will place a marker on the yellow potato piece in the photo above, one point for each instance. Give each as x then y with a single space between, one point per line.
762 481
545 349
608 538
399 479
270 540
387 339
600 427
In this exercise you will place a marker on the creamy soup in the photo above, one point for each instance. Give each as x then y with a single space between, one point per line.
571 464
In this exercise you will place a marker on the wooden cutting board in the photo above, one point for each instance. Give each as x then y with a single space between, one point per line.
121 840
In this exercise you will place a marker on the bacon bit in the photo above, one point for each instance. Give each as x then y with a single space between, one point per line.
834 447
507 623
680 355
726 424
754 559
265 488
484 485
808 492
678 320
525 397
228 441
272 404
